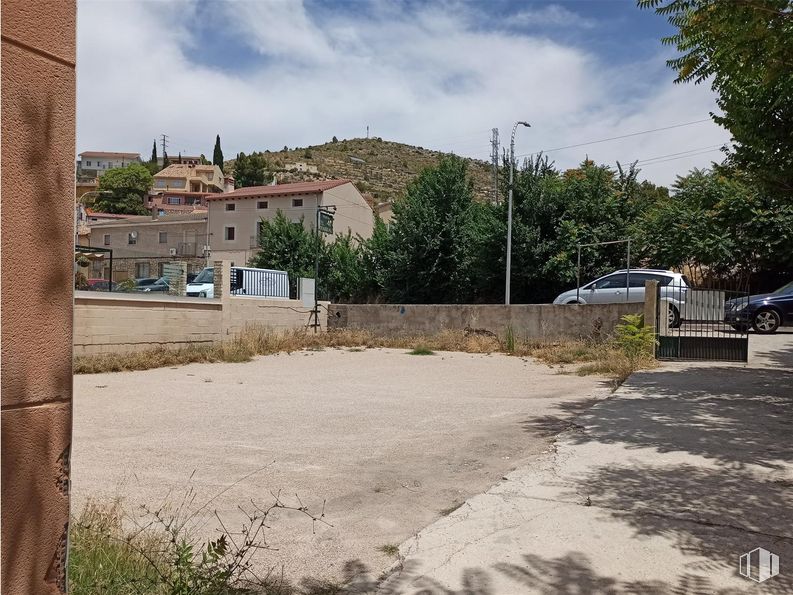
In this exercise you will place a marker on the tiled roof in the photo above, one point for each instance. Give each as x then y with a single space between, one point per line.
109 154
280 189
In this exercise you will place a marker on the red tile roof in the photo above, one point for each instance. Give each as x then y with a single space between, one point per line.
280 189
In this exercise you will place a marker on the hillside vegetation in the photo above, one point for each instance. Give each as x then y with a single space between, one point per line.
377 167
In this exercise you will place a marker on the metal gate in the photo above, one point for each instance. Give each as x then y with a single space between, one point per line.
701 323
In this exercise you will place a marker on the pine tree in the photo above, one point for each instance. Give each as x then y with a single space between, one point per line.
217 155
153 153
180 157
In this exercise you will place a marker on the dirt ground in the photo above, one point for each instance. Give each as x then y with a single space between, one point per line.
389 441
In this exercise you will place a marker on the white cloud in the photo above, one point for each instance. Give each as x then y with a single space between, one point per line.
551 15
430 76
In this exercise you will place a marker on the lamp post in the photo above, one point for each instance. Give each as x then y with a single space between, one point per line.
509 207
78 203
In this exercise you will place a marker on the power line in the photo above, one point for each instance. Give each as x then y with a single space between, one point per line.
681 157
604 140
709 148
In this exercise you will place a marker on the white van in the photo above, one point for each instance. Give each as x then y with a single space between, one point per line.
244 281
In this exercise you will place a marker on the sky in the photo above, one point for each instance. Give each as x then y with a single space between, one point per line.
440 74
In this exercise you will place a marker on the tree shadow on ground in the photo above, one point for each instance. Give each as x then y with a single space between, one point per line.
744 417
570 574
782 358
714 513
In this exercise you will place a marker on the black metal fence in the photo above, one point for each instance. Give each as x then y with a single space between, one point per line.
701 323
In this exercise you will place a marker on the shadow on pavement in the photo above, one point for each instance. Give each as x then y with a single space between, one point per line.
733 416
571 574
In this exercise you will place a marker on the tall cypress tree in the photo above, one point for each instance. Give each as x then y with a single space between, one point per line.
165 161
217 155
153 153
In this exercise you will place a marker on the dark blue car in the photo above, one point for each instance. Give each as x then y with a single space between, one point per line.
764 313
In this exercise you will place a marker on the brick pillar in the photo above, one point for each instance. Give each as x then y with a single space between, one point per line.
650 302
37 185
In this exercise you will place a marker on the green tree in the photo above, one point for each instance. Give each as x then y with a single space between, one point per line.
203 159
744 48
217 154
127 187
288 246
251 170
374 254
153 152
721 227
430 257
165 161
334 140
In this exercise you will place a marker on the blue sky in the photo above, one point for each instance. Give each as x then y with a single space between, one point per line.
440 74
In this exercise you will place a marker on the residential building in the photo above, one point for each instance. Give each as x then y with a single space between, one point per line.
183 187
301 167
235 217
142 245
185 159
92 164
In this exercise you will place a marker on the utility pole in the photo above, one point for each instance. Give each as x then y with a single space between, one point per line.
494 159
509 208
164 143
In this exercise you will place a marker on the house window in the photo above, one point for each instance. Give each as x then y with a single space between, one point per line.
141 270
106 239
174 200
88 164
229 235
262 204
163 237
132 237
297 202
230 206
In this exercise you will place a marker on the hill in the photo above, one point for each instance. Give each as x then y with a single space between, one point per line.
379 168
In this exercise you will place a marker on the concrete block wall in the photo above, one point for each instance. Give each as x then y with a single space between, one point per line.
123 323
530 321
37 189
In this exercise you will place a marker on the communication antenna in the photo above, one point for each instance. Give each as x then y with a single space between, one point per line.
494 159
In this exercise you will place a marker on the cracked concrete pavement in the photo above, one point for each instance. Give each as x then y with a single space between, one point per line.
388 440
658 489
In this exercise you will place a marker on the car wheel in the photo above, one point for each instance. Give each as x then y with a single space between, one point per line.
766 322
673 316
573 302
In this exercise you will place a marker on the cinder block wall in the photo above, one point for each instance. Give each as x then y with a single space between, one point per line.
37 187
122 323
532 321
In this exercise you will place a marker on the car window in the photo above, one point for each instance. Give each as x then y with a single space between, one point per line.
785 289
638 279
612 281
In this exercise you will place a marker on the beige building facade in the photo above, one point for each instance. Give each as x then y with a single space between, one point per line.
234 217
143 245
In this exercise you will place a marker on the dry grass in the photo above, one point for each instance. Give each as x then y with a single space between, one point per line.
598 357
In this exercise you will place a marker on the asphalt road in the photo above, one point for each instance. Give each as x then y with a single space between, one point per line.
387 440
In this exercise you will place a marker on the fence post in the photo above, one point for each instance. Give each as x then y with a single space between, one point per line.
222 281
650 303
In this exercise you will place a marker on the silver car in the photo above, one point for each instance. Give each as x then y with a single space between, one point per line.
614 289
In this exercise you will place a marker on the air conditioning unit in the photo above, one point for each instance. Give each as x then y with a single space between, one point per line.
172 251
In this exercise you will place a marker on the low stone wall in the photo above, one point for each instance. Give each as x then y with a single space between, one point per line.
123 322
531 321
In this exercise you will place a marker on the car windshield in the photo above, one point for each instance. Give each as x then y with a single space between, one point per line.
161 281
205 276
785 289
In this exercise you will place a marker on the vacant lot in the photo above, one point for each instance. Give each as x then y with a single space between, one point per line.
389 440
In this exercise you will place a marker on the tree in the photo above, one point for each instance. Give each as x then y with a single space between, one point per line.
288 246
745 49
127 187
334 140
180 158
203 160
153 153
251 170
430 256
217 155
720 227
165 161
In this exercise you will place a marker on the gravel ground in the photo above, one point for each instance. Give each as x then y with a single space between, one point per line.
388 440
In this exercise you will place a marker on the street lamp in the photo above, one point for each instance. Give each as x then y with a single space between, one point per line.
509 207
79 202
